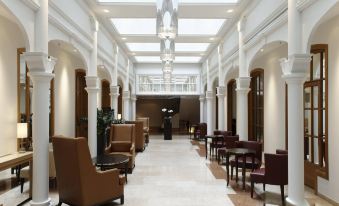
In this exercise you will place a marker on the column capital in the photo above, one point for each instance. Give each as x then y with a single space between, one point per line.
241 24
126 95
209 95
114 90
202 98
221 91
39 62
296 64
92 84
133 97
243 85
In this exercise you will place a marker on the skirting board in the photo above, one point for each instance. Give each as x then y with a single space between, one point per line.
328 199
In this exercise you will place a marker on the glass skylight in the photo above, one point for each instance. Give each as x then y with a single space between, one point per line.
147 26
180 1
178 59
179 47
134 26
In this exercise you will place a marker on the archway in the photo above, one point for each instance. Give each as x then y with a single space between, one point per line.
215 102
70 99
232 106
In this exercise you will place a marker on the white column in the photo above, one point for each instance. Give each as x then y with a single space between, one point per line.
41 75
295 73
209 113
92 82
202 102
221 108
126 99
243 83
114 99
92 91
133 107
41 27
242 107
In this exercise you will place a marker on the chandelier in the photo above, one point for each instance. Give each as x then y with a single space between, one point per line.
167 19
167 49
167 67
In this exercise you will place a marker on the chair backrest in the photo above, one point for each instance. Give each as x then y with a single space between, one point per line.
203 129
276 169
257 146
139 133
145 121
73 166
122 132
280 151
231 141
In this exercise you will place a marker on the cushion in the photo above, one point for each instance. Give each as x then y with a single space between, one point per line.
258 175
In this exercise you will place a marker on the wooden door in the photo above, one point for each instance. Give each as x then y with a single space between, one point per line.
105 94
231 106
81 104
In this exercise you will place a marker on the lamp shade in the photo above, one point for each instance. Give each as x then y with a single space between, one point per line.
22 130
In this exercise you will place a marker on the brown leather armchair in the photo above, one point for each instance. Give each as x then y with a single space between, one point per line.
122 141
78 181
257 146
139 135
274 173
145 121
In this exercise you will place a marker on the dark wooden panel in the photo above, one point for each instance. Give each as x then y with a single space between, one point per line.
81 104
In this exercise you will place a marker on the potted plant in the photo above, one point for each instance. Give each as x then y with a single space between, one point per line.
104 120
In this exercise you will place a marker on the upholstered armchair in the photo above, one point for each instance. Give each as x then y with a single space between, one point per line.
122 141
257 146
229 142
79 183
145 121
218 142
201 131
274 173
139 135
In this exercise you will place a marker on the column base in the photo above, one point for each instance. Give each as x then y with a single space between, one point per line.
44 203
303 202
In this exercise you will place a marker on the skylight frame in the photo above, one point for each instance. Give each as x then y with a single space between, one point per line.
179 47
178 59
180 1
186 27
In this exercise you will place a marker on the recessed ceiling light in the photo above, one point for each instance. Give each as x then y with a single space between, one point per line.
123 38
106 10
133 53
261 50
74 50
212 38
230 11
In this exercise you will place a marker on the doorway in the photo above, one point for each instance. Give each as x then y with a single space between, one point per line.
232 106
105 94
81 104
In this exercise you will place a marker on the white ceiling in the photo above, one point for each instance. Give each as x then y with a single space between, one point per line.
202 23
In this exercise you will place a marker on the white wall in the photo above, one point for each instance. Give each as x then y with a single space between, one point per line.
64 90
11 38
274 98
328 33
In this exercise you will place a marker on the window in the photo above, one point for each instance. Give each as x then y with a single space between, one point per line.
316 115
256 106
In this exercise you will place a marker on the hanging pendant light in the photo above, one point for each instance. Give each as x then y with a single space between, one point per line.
167 67
167 48
167 19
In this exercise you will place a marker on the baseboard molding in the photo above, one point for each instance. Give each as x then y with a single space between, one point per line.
334 203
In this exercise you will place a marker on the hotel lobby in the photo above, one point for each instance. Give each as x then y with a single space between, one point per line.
169 102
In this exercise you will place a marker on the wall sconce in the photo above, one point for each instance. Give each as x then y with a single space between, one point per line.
119 116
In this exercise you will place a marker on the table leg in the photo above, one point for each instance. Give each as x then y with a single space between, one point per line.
227 168
30 179
243 171
253 161
126 165
206 146
236 168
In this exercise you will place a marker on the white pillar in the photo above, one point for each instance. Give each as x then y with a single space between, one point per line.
41 75
41 28
243 83
126 99
92 90
242 107
295 73
202 102
133 107
114 99
221 108
209 113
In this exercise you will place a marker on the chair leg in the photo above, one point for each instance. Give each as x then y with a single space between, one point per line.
60 203
231 172
22 181
122 200
282 194
264 186
252 188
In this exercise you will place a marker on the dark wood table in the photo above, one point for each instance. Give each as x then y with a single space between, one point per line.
239 152
210 137
109 161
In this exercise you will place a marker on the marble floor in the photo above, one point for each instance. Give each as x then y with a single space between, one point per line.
171 173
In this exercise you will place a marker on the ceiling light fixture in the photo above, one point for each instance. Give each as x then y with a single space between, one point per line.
106 10
230 11
167 19
167 48
262 50
212 38
123 38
